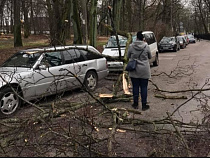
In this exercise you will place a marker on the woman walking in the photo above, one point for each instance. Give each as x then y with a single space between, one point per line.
140 76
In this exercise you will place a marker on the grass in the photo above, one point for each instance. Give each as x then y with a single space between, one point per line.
7 41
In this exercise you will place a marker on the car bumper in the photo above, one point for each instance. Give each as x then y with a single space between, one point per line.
192 41
166 48
115 66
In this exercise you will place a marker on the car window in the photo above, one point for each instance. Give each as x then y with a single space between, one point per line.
165 39
72 56
190 36
53 59
90 55
112 42
150 38
22 59
134 38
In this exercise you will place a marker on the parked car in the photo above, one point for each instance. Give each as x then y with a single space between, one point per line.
182 42
191 39
169 43
111 49
35 73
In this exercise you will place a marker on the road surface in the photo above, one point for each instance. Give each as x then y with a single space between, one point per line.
185 69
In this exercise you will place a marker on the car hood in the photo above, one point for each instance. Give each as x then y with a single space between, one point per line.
12 75
171 42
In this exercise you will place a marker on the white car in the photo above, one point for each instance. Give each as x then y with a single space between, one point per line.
111 49
34 73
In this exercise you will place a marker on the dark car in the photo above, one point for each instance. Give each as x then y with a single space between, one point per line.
191 39
182 41
169 43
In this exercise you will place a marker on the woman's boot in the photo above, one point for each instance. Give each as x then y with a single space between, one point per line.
135 105
145 106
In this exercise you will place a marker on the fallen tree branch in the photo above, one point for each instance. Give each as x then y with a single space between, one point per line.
112 136
180 136
169 97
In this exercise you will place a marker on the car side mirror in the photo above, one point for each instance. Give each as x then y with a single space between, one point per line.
42 67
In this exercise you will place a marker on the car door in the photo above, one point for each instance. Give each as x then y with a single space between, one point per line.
150 39
75 67
48 77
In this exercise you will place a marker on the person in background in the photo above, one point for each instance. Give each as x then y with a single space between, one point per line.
140 77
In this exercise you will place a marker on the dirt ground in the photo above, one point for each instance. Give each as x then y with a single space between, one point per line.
136 139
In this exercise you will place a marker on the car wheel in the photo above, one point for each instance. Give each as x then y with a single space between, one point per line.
156 62
91 80
9 102
175 49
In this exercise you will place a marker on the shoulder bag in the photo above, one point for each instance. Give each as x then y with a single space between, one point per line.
131 66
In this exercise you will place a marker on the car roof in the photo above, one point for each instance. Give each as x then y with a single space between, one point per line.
145 32
169 37
54 48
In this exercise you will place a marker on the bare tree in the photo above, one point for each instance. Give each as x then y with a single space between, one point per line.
93 23
17 24
25 9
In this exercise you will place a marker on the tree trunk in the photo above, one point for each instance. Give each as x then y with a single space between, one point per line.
26 22
17 25
76 22
85 22
12 17
202 17
117 6
32 18
129 14
93 23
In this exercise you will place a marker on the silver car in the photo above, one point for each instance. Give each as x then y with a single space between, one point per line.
111 49
34 73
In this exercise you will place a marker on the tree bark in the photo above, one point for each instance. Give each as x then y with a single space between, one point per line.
76 22
93 23
17 25
26 22
85 21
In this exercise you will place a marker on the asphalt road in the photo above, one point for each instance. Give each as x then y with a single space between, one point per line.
182 70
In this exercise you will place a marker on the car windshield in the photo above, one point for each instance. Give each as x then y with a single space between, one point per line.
167 39
22 59
180 38
112 42
190 36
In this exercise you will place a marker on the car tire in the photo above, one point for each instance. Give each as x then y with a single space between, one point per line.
9 102
175 49
156 62
91 80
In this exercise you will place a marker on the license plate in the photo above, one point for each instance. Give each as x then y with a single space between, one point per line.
165 47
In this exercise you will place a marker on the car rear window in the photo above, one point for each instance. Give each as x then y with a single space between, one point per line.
72 56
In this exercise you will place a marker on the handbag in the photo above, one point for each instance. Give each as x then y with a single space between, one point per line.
131 66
